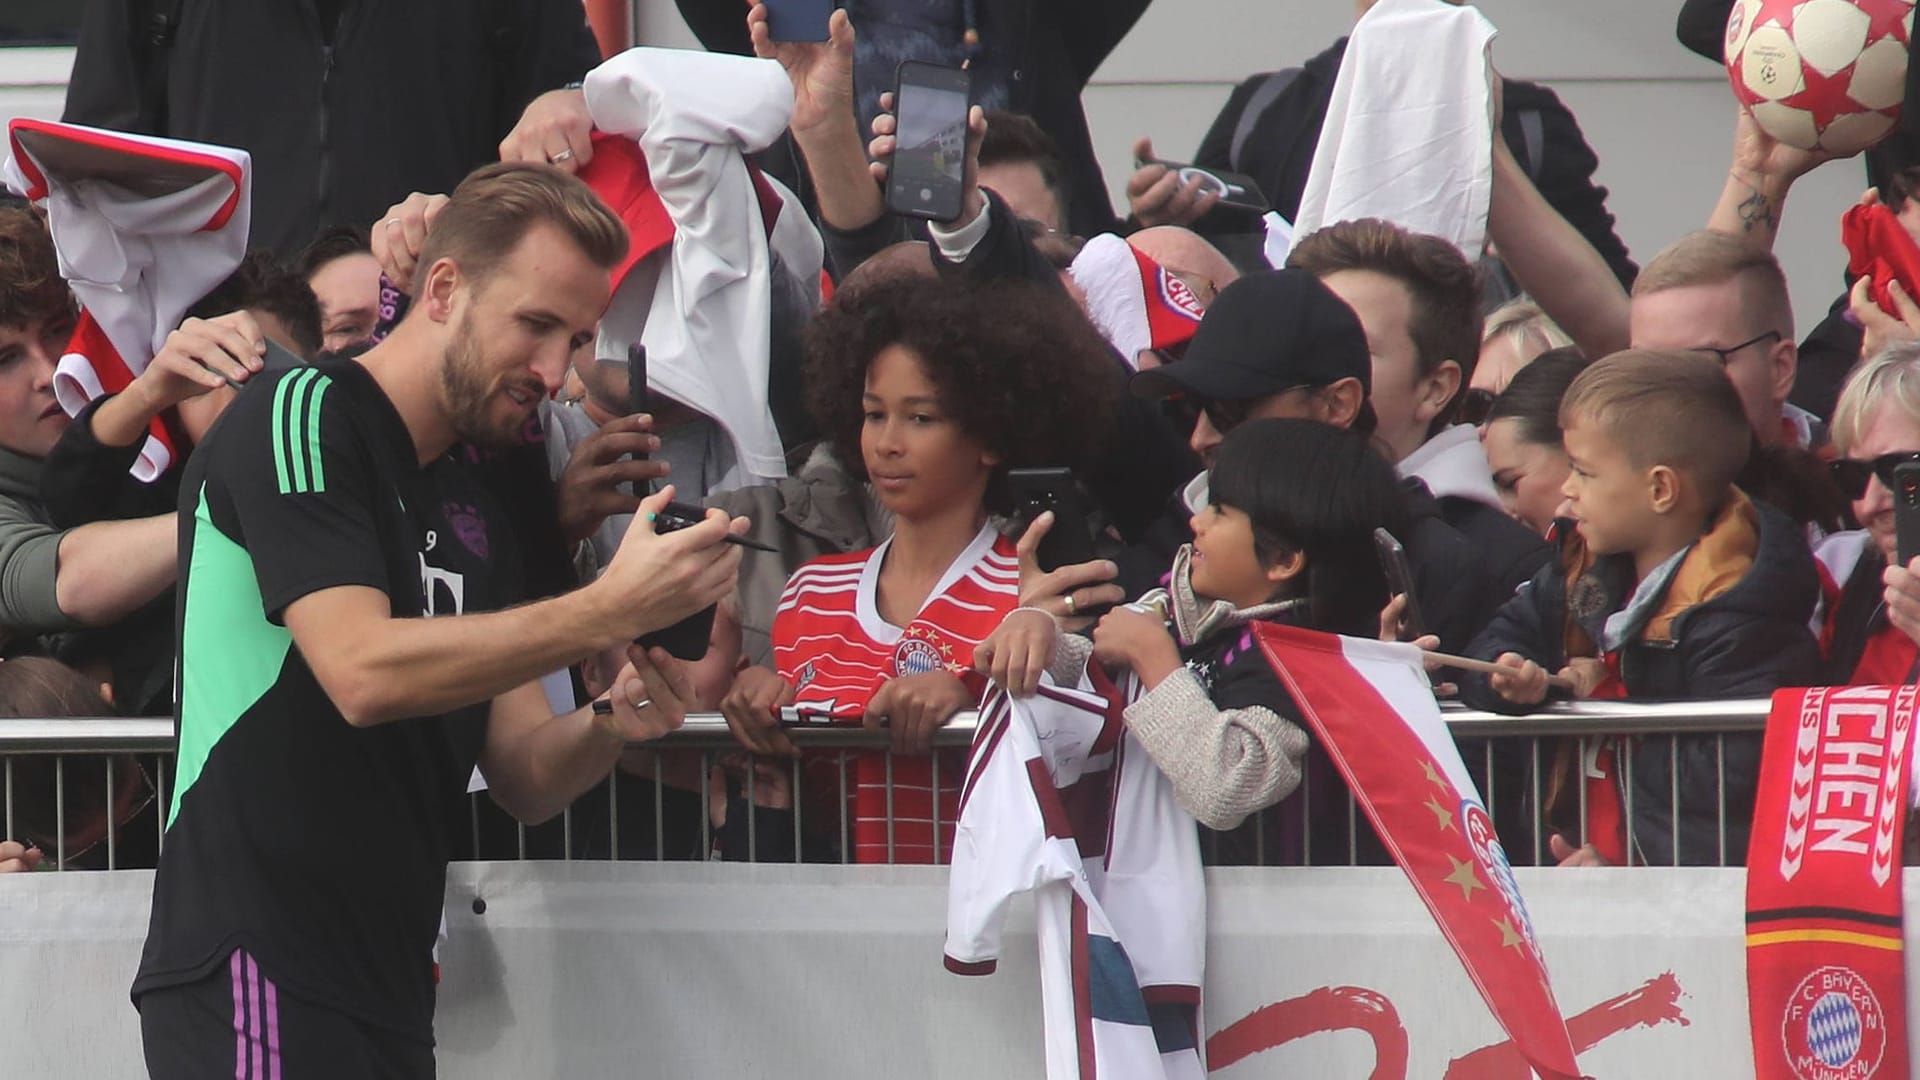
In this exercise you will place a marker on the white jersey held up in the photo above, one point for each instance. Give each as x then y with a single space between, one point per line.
1059 801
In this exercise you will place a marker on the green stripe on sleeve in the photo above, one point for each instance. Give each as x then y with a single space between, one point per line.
319 472
296 430
279 433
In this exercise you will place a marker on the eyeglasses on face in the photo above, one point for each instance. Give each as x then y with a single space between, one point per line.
1851 475
1725 356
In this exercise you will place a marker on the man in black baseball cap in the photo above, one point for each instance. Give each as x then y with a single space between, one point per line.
1277 344
1281 344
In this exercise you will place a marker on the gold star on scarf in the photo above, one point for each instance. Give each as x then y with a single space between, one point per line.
1442 816
1509 937
1433 775
1464 876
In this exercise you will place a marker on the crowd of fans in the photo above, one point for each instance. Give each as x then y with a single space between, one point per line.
1635 479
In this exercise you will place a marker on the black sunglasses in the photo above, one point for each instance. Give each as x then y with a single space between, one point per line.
1475 403
1223 415
1851 476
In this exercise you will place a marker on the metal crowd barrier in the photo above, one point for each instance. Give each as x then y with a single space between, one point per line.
668 797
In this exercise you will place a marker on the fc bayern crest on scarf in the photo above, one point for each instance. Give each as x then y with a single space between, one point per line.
1826 951
1834 1028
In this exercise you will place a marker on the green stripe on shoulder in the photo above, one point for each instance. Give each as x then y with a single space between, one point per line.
317 471
230 654
278 435
296 433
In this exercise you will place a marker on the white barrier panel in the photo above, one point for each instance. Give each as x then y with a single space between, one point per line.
698 970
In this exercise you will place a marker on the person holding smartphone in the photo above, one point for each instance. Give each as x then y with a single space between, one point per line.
350 653
1287 536
930 390
1872 602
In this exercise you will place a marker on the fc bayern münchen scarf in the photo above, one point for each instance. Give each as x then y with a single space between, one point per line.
1826 974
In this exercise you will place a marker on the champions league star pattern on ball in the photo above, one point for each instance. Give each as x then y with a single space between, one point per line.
1820 74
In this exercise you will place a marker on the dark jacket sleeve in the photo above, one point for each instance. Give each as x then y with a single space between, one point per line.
1529 623
1731 655
1216 146
848 248
1005 253
556 48
720 25
108 86
1091 29
1564 173
86 481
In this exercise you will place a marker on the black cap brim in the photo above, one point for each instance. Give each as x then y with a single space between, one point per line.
1218 382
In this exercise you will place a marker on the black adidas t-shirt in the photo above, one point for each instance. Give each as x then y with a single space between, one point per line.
318 847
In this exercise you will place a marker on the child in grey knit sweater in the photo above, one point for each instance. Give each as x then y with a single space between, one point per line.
1286 536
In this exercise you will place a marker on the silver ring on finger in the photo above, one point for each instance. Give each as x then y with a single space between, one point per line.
641 704
564 155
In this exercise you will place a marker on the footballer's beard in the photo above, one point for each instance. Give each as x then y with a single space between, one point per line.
468 394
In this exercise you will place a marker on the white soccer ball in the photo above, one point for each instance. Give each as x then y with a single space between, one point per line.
1821 74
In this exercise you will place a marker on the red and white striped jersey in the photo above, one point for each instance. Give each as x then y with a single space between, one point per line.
830 642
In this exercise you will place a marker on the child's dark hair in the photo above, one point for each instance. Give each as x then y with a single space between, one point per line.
35 687
262 283
1319 490
1532 397
1017 366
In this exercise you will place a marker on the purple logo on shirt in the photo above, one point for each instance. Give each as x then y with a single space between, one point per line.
470 527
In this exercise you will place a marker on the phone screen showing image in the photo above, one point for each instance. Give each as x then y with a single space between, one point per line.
929 159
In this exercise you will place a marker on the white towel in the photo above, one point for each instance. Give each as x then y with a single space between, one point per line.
1409 132
703 313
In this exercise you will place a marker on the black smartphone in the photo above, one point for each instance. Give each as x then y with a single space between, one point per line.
1036 491
688 638
1393 562
798 20
1906 510
930 105
279 358
1236 191
639 399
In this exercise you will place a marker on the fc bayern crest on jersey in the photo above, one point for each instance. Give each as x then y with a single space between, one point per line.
1834 1028
920 651
1179 297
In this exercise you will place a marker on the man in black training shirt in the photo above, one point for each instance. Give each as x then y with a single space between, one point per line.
327 724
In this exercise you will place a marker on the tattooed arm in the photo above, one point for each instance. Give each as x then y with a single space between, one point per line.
1762 171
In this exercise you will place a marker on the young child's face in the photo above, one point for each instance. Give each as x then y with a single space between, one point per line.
1224 565
1609 498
